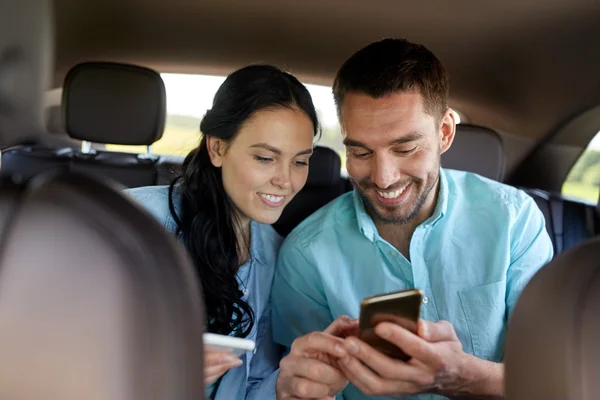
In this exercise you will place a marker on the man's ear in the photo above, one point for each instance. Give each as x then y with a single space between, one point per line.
216 150
447 130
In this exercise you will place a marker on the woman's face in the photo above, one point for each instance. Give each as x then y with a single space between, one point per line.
266 164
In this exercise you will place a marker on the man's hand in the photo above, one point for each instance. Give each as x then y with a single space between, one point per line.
438 364
310 370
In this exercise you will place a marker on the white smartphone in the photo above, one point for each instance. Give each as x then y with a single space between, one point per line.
227 344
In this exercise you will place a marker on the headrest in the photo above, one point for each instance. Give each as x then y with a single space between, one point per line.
325 167
106 307
476 149
114 103
552 347
26 37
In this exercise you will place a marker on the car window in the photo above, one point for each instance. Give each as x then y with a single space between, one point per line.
188 98
583 181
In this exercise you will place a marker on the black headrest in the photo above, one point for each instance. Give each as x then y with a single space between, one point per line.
114 103
476 149
25 63
325 167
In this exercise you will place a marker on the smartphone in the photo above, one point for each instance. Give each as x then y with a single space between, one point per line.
227 344
401 308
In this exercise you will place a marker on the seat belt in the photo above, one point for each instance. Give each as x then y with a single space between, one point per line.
556 208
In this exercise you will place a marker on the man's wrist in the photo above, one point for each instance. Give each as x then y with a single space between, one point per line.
478 379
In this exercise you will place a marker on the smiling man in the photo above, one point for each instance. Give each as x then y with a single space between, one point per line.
469 243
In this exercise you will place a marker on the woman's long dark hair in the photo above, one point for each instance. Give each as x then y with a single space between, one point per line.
206 222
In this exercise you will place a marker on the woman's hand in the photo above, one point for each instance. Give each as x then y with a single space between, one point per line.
217 363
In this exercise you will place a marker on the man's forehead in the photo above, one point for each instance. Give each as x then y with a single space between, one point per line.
390 117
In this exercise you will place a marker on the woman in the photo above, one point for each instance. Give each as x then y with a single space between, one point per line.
251 161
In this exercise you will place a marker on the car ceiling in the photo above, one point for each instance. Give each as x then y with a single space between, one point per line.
520 67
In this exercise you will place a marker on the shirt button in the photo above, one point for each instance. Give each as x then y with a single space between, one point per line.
394 254
245 291
425 300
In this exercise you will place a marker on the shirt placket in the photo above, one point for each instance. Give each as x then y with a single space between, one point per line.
421 273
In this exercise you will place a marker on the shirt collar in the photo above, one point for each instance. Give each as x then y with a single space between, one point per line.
367 227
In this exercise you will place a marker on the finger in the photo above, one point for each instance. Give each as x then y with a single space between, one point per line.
436 331
213 372
387 367
318 341
343 326
213 358
312 369
368 381
410 343
306 389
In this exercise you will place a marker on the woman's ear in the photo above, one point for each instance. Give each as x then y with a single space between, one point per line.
216 150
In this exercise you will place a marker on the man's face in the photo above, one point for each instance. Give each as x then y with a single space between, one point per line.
393 152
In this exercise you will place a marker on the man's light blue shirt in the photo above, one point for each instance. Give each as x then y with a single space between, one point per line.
256 378
472 258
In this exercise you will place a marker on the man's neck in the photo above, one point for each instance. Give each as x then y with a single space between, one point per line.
400 235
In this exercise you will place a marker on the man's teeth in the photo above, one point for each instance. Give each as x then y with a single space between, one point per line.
391 195
271 198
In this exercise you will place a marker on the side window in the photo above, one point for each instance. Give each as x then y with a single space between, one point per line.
583 182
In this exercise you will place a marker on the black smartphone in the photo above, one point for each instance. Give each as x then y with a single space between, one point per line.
401 308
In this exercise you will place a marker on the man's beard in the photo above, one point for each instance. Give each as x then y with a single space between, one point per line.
413 208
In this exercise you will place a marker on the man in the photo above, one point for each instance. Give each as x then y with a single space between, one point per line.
469 243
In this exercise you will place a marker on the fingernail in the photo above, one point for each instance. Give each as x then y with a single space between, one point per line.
351 346
340 350
229 359
236 363
384 332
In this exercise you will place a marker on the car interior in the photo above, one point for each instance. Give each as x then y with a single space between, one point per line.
77 78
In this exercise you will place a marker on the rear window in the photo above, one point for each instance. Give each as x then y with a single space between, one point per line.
188 98
583 181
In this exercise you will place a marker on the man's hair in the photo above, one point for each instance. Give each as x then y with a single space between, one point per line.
393 66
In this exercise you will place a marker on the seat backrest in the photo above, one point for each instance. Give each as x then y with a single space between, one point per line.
105 103
476 149
323 185
98 301
552 349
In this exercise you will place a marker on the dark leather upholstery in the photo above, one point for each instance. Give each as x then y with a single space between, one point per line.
106 103
552 347
476 149
114 103
323 185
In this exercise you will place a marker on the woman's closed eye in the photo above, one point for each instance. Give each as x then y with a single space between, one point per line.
263 160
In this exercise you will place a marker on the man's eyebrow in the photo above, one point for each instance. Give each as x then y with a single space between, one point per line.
408 138
354 143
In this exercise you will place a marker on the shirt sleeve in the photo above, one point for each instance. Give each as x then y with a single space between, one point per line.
298 301
264 366
531 249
